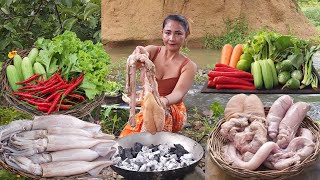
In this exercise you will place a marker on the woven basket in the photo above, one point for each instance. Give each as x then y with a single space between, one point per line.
216 141
79 111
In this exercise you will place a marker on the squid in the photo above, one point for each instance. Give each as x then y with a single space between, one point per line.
74 155
37 134
57 169
45 122
152 107
23 147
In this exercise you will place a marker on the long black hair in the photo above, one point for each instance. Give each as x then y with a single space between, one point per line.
179 18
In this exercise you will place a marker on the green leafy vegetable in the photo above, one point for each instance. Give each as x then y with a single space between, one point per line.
71 56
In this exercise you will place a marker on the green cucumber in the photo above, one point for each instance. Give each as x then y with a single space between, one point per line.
26 67
266 74
33 54
274 72
39 69
17 61
257 75
12 76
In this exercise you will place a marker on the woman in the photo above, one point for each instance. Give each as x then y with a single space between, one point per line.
174 74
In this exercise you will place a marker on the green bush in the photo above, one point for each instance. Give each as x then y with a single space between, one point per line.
23 21
313 14
236 31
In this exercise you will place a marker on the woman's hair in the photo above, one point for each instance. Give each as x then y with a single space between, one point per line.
181 19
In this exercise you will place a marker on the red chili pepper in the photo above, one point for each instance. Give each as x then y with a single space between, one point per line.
49 98
50 79
52 88
73 80
42 108
27 87
73 86
78 97
42 104
234 86
239 74
65 86
64 107
232 80
31 78
55 102
26 95
59 77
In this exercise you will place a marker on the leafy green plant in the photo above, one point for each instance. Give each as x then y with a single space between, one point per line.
208 119
113 120
236 31
9 114
22 21
7 175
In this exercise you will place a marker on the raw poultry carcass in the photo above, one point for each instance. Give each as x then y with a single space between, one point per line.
152 108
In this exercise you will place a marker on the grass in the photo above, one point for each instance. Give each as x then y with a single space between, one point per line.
311 9
236 32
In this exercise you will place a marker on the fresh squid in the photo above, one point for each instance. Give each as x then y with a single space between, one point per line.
45 122
63 121
25 147
73 155
153 109
276 114
37 134
57 169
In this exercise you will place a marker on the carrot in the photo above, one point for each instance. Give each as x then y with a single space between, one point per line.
236 53
226 54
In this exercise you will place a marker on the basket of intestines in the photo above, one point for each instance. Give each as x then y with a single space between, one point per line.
264 143
60 76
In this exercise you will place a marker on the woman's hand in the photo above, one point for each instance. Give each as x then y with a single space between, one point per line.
164 100
141 50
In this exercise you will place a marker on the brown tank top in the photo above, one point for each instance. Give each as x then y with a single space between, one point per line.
166 86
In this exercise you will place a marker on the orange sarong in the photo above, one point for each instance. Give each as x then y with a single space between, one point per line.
176 116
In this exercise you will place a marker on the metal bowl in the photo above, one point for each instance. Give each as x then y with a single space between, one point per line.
160 138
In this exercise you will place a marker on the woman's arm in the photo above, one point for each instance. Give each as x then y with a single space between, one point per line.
183 85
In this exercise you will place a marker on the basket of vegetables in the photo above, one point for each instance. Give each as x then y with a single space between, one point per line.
64 75
247 149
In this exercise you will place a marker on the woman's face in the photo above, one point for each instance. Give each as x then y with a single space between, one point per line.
173 35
